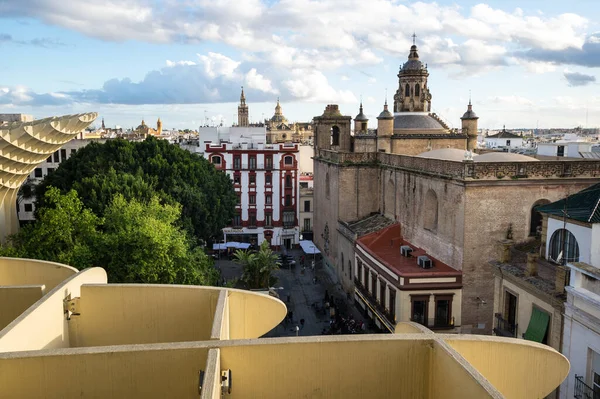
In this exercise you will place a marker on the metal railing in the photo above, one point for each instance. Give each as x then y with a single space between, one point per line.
584 391
504 328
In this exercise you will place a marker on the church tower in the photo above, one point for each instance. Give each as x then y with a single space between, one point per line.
469 127
360 122
385 129
159 127
242 110
412 94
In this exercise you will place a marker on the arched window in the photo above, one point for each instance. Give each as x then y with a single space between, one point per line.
335 135
288 181
327 191
535 221
417 90
430 211
288 160
216 160
407 91
563 247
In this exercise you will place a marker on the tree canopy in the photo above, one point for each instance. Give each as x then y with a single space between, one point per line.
135 241
258 266
142 170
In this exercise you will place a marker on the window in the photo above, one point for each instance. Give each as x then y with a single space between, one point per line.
239 199
37 172
56 157
508 143
407 91
419 309
382 287
268 162
307 225
268 199
327 191
307 206
303 185
510 310
417 90
366 277
288 160
563 247
268 179
252 199
342 262
252 178
49 159
268 219
288 218
392 303
288 181
335 135
252 219
560 151
373 284
63 154
443 311
237 220
535 220
237 179
359 270
288 200
216 160
252 162
28 207
237 162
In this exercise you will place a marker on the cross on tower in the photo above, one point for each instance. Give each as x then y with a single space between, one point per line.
414 36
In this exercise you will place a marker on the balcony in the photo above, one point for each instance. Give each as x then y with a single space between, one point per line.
375 304
584 391
504 328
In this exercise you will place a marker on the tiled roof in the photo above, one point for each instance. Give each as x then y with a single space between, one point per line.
583 206
504 135
370 224
384 245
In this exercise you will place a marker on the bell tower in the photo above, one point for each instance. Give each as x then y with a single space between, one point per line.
413 93
469 127
242 110
332 130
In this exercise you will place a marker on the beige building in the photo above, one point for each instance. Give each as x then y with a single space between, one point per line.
144 130
451 202
157 341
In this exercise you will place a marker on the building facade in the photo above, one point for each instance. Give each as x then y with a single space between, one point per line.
306 205
266 180
504 139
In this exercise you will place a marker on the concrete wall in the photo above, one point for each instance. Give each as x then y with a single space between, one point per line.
252 315
17 271
15 299
44 324
125 372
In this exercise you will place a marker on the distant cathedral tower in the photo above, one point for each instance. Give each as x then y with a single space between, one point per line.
242 110
159 127
413 94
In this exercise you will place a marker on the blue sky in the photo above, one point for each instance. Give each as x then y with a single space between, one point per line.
527 63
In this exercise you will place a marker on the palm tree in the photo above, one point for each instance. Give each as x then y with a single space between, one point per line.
258 266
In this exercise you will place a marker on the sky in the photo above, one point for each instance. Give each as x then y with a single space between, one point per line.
524 63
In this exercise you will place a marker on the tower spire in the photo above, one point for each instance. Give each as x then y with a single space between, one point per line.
414 37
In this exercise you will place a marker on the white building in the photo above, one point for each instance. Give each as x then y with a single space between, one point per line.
266 179
575 241
306 205
573 149
26 205
504 139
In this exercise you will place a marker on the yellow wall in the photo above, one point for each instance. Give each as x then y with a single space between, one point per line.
16 271
119 314
524 370
44 325
403 303
252 314
90 373
15 299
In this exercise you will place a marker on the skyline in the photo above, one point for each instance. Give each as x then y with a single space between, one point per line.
525 67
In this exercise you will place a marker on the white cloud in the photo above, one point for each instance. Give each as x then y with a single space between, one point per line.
314 87
257 81
217 65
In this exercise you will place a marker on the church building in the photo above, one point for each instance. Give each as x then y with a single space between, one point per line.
408 215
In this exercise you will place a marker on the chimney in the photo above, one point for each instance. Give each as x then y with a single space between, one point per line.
532 267
560 279
505 254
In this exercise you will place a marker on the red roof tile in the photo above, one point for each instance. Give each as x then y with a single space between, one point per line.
384 245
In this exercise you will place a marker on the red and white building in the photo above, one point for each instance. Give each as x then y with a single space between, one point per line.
266 179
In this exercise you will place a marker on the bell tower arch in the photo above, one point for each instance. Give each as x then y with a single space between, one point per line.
332 130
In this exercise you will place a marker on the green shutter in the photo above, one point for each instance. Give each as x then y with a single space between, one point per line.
537 326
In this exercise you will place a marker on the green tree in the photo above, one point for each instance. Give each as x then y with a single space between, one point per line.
258 266
149 167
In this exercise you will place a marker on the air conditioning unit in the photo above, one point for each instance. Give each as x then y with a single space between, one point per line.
226 381
405 250
424 262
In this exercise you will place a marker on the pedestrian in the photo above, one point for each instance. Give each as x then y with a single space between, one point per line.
297 330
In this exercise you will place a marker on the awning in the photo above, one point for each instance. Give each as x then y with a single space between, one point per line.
219 247
536 331
309 247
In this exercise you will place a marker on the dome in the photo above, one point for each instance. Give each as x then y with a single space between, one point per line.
413 64
417 122
361 117
385 114
446 154
470 114
504 157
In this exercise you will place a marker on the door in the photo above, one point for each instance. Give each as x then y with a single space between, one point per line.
287 243
560 151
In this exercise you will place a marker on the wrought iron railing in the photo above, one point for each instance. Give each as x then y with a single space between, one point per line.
504 328
584 391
